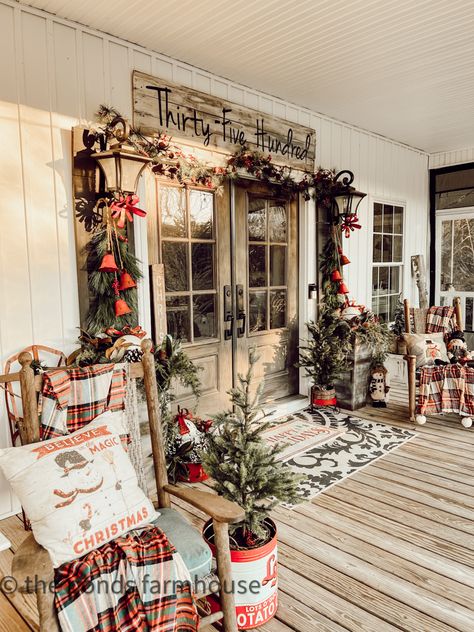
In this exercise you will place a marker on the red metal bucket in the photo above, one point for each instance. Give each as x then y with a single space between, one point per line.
254 579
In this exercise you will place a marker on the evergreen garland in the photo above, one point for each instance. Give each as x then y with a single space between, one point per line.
329 261
101 313
245 468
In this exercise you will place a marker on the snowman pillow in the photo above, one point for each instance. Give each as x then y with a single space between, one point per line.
78 491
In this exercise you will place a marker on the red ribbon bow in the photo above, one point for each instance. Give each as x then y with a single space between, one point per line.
349 223
127 330
125 208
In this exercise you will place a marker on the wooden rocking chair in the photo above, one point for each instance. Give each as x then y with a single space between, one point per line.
417 317
32 565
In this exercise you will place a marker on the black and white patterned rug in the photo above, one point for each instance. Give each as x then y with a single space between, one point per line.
361 444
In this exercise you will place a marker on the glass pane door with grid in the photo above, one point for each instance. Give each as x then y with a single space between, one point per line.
194 244
266 272
455 261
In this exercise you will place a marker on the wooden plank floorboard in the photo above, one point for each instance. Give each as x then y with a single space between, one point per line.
390 548
437 501
464 492
429 551
407 462
362 497
384 607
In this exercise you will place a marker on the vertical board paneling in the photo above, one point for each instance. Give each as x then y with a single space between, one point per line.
456 157
55 72
38 175
120 79
93 73
64 67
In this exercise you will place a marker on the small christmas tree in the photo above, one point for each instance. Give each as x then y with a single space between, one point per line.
325 356
244 467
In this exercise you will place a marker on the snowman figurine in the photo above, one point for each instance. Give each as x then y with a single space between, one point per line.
378 387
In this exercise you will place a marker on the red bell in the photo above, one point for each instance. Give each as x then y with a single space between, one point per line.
336 275
344 260
108 263
343 289
126 282
121 307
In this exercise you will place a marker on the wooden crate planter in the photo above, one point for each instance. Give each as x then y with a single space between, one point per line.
352 388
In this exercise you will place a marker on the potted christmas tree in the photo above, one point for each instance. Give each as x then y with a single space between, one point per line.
325 356
246 470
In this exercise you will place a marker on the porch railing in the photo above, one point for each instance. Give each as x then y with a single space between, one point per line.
467 306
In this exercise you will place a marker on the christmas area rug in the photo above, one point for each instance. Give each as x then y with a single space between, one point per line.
299 433
361 443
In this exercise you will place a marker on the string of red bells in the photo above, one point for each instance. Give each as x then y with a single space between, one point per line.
119 211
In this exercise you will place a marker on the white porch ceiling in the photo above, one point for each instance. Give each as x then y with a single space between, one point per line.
400 68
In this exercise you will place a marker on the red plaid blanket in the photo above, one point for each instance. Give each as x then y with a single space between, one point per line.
73 397
136 582
446 389
440 319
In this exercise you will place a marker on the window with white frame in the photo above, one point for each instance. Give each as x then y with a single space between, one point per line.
387 257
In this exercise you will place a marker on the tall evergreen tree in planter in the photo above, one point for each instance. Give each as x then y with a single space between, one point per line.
246 470
325 356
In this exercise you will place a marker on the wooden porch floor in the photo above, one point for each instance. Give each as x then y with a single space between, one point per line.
390 548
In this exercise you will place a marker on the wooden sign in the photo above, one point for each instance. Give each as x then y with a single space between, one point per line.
160 105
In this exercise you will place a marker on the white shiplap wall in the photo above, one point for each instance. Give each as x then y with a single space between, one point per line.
54 74
449 158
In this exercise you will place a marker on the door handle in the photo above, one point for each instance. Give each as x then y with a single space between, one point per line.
240 310
228 315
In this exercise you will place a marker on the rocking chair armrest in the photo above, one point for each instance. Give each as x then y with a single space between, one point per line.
31 565
217 507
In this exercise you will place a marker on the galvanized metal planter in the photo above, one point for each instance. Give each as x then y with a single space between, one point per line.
351 389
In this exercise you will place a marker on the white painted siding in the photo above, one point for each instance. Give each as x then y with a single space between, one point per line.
448 158
54 74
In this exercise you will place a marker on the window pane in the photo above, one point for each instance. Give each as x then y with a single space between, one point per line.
175 259
257 220
388 218
177 317
202 256
395 279
375 280
257 266
387 248
375 305
398 220
257 311
393 307
377 248
277 265
397 248
201 205
277 223
463 255
277 309
377 218
204 316
469 314
173 212
446 250
383 280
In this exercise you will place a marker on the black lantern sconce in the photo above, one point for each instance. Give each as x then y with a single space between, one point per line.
120 163
346 198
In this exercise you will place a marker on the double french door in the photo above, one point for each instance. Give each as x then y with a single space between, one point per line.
231 269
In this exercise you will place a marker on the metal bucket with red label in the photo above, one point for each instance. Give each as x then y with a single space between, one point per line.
254 579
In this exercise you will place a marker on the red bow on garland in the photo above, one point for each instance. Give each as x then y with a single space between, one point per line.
349 223
127 330
125 208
